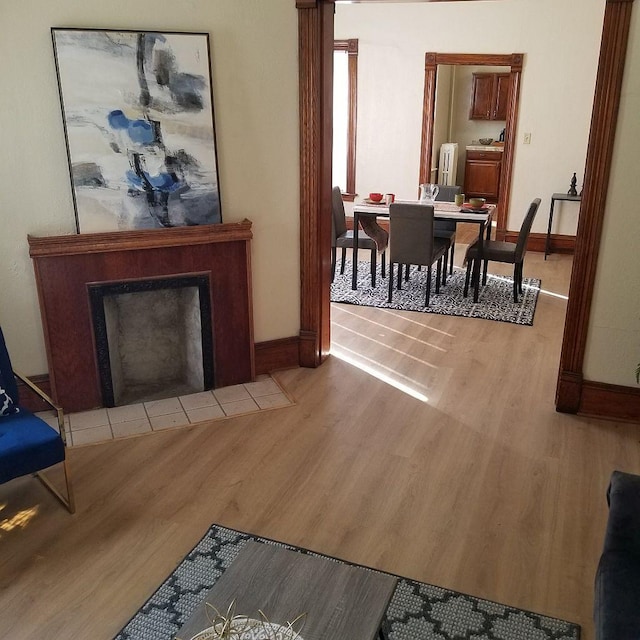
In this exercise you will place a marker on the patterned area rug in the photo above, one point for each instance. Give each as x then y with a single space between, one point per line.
495 301
417 611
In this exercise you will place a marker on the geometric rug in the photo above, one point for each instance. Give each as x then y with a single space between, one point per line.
417 611
495 301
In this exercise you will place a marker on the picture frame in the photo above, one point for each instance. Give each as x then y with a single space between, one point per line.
139 125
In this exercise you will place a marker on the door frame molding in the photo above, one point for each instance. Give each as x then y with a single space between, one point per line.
315 33
606 102
514 61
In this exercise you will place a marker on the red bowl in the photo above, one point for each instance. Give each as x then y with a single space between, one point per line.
376 197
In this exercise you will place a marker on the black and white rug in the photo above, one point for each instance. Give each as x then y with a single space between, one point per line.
417 611
495 301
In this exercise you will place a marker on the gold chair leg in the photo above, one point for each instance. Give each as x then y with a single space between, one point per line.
69 500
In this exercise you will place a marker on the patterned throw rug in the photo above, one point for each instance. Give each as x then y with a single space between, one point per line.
495 301
417 611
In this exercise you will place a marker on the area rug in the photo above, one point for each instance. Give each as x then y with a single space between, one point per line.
495 301
417 611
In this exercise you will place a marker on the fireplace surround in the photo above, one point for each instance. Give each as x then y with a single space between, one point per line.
215 259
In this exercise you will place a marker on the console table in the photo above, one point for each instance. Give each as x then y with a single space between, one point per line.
554 197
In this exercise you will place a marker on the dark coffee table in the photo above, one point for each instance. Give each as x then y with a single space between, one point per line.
340 601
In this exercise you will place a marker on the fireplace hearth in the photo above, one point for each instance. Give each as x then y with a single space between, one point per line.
138 315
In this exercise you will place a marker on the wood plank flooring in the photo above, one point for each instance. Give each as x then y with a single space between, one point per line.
428 446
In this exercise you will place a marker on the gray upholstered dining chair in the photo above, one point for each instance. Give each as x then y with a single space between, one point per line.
509 252
447 228
342 238
413 242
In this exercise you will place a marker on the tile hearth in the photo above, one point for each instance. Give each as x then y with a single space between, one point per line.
100 425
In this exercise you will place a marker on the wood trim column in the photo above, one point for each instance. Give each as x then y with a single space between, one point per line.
315 34
428 115
511 126
351 48
613 48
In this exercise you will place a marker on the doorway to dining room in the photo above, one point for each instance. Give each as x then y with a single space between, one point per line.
316 31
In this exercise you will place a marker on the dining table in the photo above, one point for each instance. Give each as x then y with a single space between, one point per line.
441 211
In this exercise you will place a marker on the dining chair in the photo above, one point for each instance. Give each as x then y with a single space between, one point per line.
508 252
28 444
447 228
343 238
413 242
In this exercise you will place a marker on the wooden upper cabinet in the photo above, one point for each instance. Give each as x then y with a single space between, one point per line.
489 96
481 94
501 103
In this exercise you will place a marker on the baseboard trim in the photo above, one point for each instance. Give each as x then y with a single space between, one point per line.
277 354
537 242
610 402
568 392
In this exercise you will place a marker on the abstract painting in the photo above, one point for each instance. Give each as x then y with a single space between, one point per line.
138 116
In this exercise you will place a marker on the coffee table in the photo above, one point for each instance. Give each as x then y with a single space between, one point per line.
340 601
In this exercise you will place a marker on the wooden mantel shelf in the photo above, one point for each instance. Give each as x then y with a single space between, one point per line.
138 239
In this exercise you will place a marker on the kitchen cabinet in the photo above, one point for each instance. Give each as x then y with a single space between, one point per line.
482 172
489 96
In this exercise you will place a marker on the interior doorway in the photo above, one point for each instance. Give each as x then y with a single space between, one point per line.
316 35
514 62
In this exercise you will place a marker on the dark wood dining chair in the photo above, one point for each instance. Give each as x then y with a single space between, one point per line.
413 242
343 238
508 252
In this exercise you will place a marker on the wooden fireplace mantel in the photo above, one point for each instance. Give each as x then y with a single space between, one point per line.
138 239
65 266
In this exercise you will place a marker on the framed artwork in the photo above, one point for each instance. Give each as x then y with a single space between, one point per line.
137 108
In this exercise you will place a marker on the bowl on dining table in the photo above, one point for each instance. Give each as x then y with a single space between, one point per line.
477 203
375 197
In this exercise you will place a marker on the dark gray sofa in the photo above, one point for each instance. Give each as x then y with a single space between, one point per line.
617 585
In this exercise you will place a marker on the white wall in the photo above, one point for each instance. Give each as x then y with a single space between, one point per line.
613 342
257 133
561 46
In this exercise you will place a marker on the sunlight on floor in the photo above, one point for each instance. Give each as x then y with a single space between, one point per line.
553 295
20 519
376 370
402 352
396 314
389 329
542 291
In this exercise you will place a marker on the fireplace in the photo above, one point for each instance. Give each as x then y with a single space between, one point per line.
139 315
152 337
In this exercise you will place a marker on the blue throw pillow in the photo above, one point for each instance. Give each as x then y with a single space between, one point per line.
7 406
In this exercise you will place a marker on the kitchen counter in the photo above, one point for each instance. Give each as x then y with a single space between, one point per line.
484 147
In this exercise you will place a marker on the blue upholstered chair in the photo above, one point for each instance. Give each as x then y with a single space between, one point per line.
28 445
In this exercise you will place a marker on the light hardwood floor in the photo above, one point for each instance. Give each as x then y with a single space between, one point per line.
451 467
